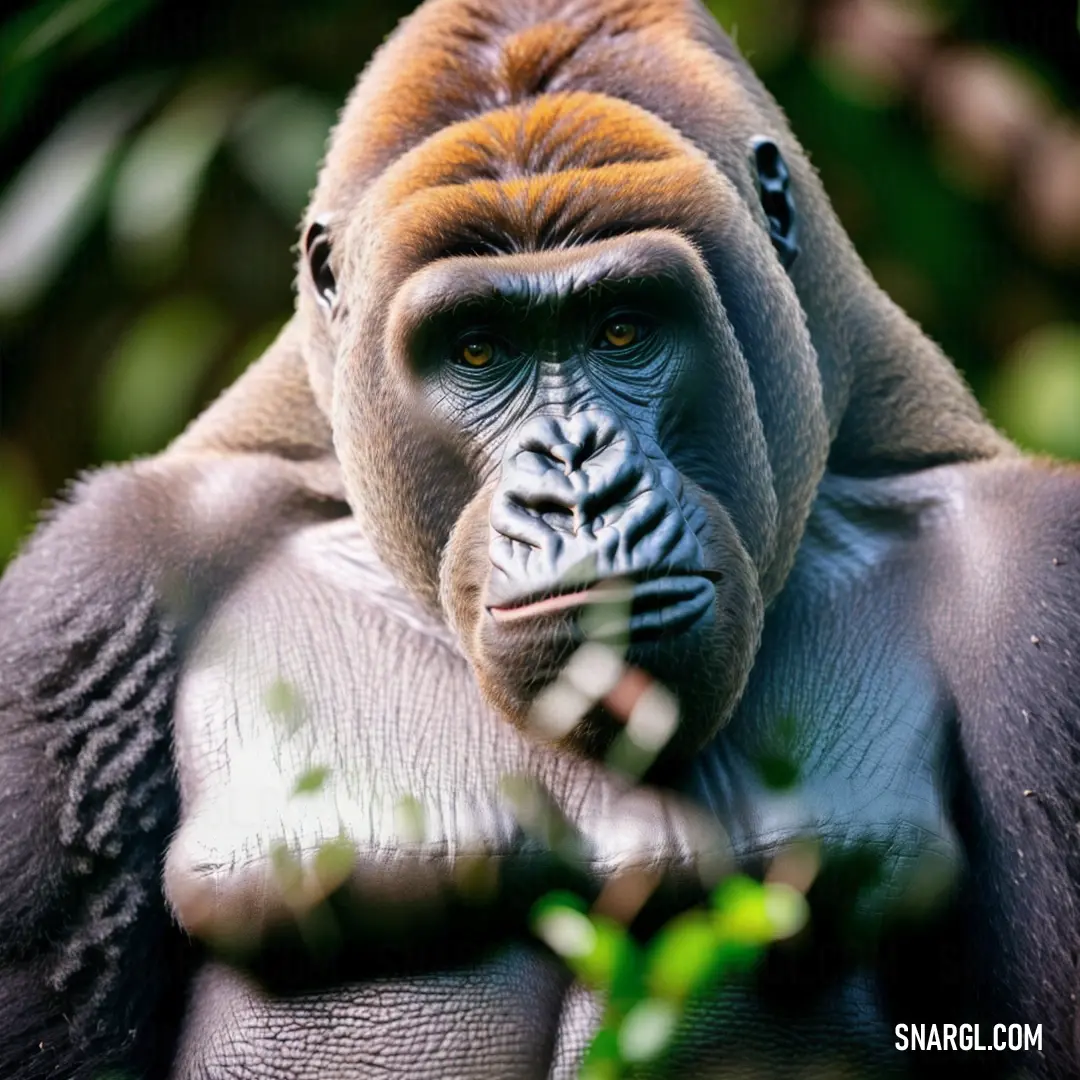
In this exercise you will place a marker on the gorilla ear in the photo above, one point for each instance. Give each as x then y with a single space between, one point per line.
317 250
774 186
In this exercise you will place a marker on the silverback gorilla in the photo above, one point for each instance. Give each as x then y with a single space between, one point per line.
573 310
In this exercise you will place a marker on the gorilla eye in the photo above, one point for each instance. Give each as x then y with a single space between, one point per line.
774 188
619 333
317 246
477 352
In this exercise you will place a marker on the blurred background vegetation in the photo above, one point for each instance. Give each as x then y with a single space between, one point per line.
156 156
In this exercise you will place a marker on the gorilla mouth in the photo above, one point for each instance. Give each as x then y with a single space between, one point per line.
669 604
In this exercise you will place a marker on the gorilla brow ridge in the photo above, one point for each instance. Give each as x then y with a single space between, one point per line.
533 279
557 211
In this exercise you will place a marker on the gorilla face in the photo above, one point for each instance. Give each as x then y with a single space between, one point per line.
570 375
573 422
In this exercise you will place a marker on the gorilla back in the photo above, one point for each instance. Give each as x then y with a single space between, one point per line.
576 326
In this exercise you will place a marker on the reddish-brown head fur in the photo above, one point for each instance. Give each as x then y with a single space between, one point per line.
470 60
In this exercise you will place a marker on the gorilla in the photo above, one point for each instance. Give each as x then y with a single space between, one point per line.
576 331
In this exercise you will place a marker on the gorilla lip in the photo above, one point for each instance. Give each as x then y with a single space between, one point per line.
670 590
551 605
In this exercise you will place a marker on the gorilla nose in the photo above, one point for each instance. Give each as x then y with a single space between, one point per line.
571 472
579 501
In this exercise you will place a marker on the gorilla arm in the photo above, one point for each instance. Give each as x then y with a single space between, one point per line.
87 671
93 619
1006 615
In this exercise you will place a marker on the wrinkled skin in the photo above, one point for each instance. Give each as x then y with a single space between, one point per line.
576 331
586 489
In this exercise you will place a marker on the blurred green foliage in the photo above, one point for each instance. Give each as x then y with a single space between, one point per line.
647 989
157 158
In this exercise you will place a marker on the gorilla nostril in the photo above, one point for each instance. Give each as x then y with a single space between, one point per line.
589 445
543 507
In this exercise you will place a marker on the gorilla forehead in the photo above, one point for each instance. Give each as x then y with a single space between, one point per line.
546 175
546 135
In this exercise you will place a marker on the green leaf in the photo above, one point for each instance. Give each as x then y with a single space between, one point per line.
647 1030
410 820
278 141
284 704
777 760
598 950
786 908
47 209
288 873
682 956
739 903
539 816
565 931
753 915
777 771
334 862
47 25
311 781
602 1059
20 496
162 177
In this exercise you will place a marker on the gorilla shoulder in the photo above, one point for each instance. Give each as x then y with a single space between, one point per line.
96 613
1005 586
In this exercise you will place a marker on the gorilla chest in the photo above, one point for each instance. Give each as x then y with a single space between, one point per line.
842 733
314 720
